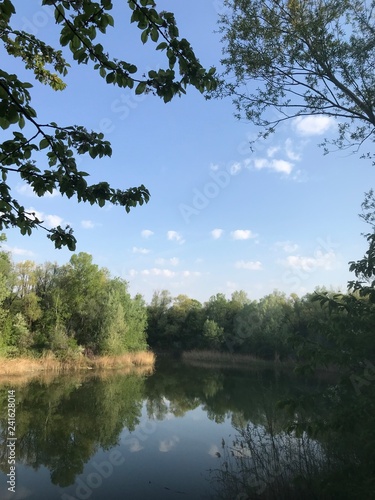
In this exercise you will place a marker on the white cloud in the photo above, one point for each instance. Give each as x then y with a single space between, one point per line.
287 246
217 233
53 220
320 260
17 251
242 234
174 261
146 233
143 251
272 151
281 166
235 168
260 163
87 224
47 220
133 273
249 265
175 236
187 274
155 271
313 125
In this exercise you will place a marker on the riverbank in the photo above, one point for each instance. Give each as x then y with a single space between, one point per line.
217 359
229 359
49 363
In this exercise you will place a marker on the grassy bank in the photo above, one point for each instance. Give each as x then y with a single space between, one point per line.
49 363
227 358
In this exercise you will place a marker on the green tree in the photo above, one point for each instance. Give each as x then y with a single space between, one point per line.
125 319
157 317
6 280
213 334
80 23
302 57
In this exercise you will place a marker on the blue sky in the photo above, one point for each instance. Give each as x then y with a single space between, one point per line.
221 217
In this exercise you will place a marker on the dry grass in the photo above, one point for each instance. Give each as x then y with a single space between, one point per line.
49 363
144 358
221 357
214 359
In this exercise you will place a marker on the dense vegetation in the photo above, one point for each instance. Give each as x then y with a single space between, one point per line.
67 309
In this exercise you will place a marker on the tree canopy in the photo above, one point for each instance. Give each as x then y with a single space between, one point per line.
292 58
79 22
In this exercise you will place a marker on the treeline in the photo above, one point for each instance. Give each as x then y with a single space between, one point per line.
79 308
265 328
70 309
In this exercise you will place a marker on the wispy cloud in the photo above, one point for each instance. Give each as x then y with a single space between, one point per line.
174 261
155 271
164 273
242 234
17 251
313 125
87 224
249 265
272 151
320 260
143 251
175 236
287 246
235 168
187 274
146 233
217 233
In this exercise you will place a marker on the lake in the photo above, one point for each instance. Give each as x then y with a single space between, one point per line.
181 432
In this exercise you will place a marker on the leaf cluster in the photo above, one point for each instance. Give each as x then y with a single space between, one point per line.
79 22
293 58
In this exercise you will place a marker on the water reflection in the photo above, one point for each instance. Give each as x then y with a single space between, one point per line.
151 436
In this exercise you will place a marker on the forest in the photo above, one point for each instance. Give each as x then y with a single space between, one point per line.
70 310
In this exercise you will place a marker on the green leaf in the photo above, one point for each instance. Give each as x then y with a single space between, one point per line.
140 88
162 46
44 143
144 36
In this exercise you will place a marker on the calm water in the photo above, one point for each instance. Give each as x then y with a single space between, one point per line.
178 433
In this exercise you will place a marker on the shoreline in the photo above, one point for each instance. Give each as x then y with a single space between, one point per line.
217 359
49 363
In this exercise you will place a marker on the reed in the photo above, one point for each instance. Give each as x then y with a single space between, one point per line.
217 359
221 357
48 362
